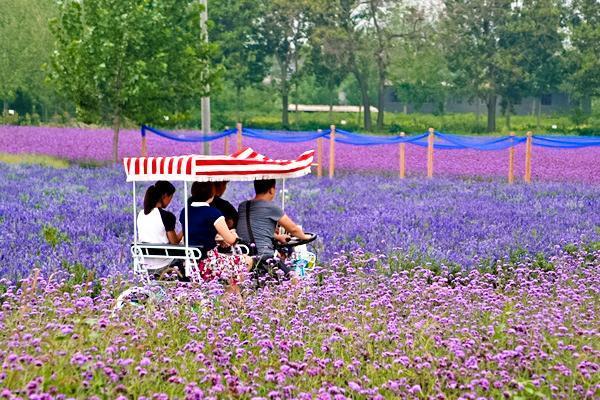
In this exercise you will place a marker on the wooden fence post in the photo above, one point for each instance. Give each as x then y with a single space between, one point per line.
332 151
226 146
430 140
320 157
144 147
511 160
402 157
239 135
528 158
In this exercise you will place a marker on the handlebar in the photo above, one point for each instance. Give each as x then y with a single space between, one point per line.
293 242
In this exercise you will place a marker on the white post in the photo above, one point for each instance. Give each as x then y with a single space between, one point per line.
283 194
187 266
185 190
134 217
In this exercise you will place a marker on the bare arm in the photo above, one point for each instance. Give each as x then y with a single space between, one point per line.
223 230
174 238
291 227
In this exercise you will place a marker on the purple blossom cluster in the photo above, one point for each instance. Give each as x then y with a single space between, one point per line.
517 332
55 218
86 144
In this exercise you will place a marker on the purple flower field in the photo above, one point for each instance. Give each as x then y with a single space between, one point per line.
58 217
519 332
86 144
424 289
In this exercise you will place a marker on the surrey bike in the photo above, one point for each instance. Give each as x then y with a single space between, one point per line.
244 165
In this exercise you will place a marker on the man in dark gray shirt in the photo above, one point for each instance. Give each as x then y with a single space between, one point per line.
265 215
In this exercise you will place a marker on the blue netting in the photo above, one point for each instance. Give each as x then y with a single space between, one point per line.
356 139
565 142
284 136
446 141
181 137
442 141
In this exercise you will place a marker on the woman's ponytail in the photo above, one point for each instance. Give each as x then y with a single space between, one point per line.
155 192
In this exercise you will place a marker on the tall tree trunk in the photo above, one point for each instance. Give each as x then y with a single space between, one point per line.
116 128
491 107
285 121
405 108
507 115
538 120
366 102
477 112
4 107
586 104
381 98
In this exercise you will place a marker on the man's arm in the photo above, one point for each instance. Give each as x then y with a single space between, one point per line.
291 227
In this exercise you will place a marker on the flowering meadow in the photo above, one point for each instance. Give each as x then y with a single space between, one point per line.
57 217
521 331
568 165
447 288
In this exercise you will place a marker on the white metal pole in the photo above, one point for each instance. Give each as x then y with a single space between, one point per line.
134 217
283 195
205 103
185 191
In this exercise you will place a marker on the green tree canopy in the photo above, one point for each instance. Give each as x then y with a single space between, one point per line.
137 59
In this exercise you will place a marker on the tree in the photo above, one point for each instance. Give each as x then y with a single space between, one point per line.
234 28
25 45
137 59
284 28
474 37
539 24
346 40
584 80
417 66
392 23
324 67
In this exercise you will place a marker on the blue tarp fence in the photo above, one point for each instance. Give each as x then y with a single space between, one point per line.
442 141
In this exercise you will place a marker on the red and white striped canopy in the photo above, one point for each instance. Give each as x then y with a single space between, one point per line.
244 165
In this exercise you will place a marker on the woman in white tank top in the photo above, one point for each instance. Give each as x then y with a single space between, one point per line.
156 225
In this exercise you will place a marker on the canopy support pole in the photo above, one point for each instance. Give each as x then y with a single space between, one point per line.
185 190
283 194
134 217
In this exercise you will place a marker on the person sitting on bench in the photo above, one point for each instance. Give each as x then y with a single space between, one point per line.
258 219
227 209
205 223
157 225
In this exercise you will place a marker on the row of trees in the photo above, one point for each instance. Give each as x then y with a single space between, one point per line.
141 60
471 48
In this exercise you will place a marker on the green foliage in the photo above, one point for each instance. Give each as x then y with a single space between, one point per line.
584 80
80 275
25 45
53 236
137 59
47 161
233 27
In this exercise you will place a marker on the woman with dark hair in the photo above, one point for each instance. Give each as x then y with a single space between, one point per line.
156 225
205 223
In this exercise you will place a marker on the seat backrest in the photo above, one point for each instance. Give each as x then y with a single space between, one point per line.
166 251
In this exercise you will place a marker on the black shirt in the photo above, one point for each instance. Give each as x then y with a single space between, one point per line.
228 211
168 219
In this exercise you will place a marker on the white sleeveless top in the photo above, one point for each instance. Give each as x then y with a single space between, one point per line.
151 229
